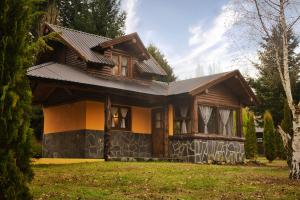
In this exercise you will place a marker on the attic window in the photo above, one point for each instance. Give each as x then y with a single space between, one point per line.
121 67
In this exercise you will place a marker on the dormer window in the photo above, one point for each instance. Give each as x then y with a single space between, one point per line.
124 66
121 67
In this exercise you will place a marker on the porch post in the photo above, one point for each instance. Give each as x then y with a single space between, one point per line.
194 115
166 130
107 127
240 122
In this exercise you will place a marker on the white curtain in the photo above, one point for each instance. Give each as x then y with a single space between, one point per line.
230 124
114 110
205 113
123 113
183 113
224 114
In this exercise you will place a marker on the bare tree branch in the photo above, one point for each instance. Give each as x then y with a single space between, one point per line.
261 19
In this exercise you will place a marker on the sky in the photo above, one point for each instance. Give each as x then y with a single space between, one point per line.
198 37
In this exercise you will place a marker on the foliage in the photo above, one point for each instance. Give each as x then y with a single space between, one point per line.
268 86
36 147
16 56
245 117
101 17
250 139
162 61
287 126
269 137
162 180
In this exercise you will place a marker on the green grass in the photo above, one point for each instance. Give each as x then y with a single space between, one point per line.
162 180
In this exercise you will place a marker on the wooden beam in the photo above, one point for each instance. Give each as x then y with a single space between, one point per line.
107 128
166 130
194 116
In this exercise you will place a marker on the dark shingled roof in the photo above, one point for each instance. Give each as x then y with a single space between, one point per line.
62 72
150 66
84 43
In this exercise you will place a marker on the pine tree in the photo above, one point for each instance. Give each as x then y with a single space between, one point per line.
269 137
16 56
287 126
267 86
102 17
250 139
162 61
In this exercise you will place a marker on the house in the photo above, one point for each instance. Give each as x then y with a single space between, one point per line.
99 97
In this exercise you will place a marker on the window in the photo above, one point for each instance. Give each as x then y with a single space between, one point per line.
124 66
158 120
260 140
120 117
121 67
115 69
182 120
215 120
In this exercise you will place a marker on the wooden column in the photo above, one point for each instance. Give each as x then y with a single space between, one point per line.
240 122
194 116
107 128
166 130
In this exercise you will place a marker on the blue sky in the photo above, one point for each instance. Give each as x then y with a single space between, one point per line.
196 36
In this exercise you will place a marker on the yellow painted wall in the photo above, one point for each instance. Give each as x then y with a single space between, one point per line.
141 120
94 115
64 117
90 115
171 119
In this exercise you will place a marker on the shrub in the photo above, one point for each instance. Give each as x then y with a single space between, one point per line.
250 142
269 137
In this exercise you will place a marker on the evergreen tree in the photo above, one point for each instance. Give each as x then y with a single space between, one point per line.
250 139
287 126
267 86
101 17
269 137
16 56
162 61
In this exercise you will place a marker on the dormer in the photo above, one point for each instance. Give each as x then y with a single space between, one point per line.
124 57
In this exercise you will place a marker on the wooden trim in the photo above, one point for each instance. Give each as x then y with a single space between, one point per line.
195 114
216 104
166 130
205 137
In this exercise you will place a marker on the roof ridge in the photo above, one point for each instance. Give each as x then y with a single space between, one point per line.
74 30
222 73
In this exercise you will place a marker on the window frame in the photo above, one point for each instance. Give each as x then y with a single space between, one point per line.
120 118
119 66
176 119
217 108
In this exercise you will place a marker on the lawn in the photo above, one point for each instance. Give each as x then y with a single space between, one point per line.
162 180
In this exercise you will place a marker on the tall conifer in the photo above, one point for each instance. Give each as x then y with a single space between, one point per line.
250 138
16 56
269 137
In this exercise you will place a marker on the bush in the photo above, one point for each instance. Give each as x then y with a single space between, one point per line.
250 142
269 137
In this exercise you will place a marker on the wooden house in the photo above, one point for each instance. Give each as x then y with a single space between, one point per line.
99 98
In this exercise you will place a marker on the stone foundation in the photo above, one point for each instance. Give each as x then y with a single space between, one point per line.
204 149
127 144
73 144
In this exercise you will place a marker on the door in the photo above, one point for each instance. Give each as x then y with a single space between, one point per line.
158 133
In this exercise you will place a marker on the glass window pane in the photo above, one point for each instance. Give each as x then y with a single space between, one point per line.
157 124
124 61
157 116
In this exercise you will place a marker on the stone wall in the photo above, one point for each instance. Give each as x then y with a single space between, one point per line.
73 144
203 149
127 144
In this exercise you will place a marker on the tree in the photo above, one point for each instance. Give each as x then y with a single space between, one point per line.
287 126
268 14
267 87
250 138
101 17
269 137
162 61
16 56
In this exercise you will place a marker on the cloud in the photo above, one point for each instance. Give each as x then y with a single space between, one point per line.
210 47
132 20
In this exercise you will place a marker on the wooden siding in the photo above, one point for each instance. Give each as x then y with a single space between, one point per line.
100 71
73 59
219 96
